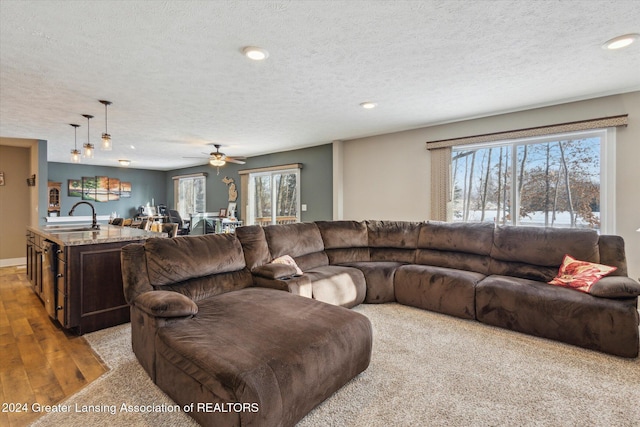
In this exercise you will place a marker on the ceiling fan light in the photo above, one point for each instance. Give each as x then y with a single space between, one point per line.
124 162
217 162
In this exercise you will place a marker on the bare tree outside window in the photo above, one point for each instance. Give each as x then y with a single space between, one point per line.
274 197
554 183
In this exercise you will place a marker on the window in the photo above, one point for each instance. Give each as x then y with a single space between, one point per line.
274 197
557 180
190 194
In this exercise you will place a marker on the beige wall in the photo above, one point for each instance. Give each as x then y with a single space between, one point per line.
387 176
14 203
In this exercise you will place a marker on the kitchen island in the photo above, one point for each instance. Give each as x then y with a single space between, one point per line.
75 270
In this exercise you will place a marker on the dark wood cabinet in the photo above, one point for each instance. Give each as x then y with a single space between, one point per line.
82 289
34 261
89 282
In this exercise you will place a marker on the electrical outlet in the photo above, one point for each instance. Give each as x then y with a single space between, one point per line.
304 207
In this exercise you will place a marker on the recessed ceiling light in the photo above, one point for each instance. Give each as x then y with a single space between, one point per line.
255 53
368 105
620 42
124 162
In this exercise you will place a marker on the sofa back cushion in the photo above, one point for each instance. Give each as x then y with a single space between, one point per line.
302 241
393 240
178 259
612 253
197 266
345 241
254 245
537 252
463 246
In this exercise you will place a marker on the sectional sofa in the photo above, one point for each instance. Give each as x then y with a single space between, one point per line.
215 319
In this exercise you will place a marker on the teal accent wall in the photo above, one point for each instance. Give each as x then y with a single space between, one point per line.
145 186
316 190
41 181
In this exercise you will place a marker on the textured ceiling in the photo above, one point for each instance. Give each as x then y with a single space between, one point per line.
178 80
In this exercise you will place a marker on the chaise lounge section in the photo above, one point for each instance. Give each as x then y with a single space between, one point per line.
205 334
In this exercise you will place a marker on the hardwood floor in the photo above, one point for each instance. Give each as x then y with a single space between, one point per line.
39 362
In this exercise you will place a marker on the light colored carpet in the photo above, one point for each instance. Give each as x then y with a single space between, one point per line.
427 369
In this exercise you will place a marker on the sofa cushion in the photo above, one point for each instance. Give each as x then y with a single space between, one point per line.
379 276
254 245
178 259
467 237
343 234
561 314
579 275
166 304
280 352
345 241
393 234
616 287
464 246
337 285
215 284
296 239
536 252
439 289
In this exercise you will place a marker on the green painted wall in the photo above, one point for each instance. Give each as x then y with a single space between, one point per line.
145 186
316 189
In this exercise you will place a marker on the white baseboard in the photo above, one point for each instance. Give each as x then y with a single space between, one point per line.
11 262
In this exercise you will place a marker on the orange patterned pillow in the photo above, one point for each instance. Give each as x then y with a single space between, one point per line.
286 259
580 275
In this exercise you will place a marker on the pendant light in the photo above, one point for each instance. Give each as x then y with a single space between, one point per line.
75 153
88 147
106 138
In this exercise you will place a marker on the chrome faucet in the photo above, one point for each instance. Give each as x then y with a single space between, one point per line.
94 223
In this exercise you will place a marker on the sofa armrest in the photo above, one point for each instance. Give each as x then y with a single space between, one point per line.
615 287
274 271
165 304
296 285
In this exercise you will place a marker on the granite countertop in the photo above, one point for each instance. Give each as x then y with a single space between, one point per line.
106 234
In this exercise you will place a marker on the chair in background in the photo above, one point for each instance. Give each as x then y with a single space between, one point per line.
144 224
174 217
170 228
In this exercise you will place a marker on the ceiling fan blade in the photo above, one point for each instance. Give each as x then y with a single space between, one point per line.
192 157
234 160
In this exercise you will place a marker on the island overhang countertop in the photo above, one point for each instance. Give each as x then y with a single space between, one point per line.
105 234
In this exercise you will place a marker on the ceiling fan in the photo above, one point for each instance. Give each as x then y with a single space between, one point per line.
217 158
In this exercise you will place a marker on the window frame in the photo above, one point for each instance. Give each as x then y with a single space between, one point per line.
176 192
272 173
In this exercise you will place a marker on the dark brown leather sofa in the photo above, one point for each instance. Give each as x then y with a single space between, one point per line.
210 323
496 275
